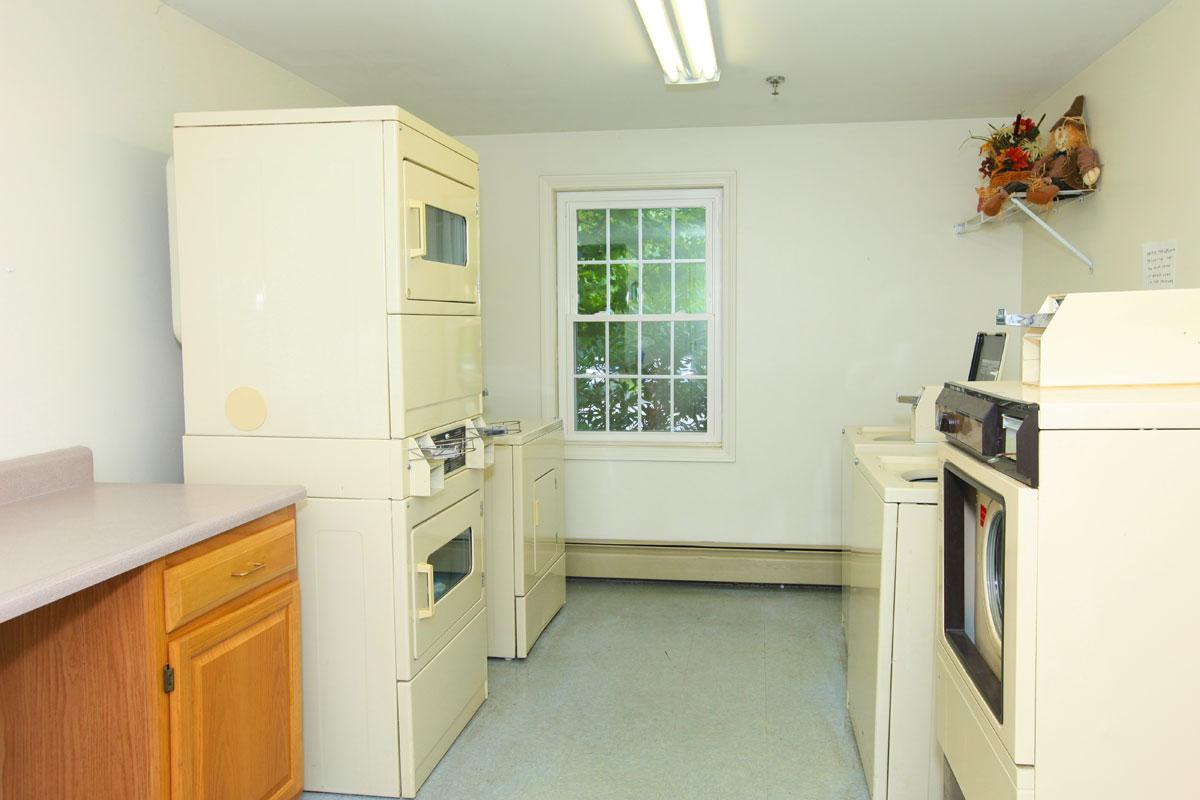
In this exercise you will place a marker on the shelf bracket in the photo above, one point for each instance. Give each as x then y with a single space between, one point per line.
1033 215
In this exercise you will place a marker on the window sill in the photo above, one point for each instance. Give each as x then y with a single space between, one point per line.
623 451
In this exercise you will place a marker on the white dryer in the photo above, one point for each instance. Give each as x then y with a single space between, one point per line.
526 544
890 576
328 286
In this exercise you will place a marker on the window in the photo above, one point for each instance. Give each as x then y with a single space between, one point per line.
640 356
451 564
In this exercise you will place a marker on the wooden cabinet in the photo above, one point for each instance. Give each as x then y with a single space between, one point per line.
235 724
202 582
179 679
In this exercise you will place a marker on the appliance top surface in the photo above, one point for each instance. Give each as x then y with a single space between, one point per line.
531 428
878 434
1101 407
908 478
885 439
286 116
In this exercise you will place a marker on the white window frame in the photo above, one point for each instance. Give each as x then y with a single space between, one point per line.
561 198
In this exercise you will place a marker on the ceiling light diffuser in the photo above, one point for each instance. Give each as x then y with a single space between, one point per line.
693 29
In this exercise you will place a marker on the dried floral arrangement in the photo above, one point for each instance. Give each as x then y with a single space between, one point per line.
1014 159
1010 148
1008 154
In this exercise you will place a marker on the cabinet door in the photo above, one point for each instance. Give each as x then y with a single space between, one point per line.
235 710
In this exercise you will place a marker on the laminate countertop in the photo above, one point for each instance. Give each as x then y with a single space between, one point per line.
78 534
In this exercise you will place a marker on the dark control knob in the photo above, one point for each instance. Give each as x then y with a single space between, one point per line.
949 423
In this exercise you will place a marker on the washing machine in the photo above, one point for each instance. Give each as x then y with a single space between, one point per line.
1068 538
890 587
919 437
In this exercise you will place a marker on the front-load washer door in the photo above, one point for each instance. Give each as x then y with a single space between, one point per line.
974 522
447 570
989 585
988 593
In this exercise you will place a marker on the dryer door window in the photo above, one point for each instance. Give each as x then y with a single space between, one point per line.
450 564
445 236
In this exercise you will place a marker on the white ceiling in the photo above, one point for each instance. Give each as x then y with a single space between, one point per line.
497 66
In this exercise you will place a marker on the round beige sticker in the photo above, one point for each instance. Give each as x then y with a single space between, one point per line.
245 408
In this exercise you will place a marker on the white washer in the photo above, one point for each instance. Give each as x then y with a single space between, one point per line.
891 579
919 437
861 439
1083 687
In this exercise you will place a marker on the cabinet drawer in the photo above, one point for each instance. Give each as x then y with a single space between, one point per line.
208 580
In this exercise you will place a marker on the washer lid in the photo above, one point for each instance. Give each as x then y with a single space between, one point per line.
884 439
911 477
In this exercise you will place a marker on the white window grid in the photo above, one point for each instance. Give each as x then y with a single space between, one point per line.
570 204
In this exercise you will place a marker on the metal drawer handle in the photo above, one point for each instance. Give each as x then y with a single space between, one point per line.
427 571
254 566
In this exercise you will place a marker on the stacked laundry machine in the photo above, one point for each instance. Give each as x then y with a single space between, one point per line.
328 287
1065 656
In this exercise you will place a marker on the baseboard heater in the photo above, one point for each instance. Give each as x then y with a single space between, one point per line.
701 562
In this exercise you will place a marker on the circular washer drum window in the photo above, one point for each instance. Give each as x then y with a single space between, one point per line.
995 572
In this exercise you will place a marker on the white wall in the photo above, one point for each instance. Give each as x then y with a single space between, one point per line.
1143 118
851 287
86 350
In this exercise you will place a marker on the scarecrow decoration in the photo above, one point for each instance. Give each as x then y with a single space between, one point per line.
1071 163
1014 160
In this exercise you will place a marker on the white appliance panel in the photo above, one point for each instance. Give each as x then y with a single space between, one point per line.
281 271
436 371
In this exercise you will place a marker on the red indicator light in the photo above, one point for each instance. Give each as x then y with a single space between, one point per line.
982 515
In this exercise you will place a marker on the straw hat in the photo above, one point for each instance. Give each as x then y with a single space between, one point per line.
1073 114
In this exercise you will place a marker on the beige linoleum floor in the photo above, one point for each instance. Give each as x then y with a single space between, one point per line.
662 691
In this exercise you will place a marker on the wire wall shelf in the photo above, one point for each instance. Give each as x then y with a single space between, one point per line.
1018 209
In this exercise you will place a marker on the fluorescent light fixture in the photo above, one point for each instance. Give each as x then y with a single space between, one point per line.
654 17
692 16
691 20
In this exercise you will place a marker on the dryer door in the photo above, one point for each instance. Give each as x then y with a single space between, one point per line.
441 256
447 566
546 518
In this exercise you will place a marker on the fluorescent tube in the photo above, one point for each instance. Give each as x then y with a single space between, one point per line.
694 29
654 17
